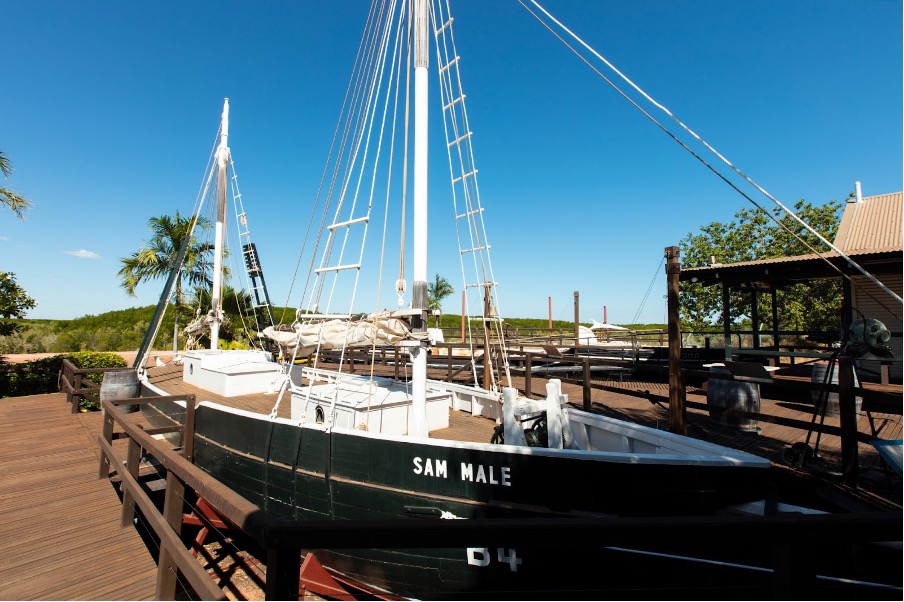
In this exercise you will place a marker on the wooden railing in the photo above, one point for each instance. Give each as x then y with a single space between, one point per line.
791 537
76 386
174 557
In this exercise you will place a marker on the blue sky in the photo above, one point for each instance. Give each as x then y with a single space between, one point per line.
110 109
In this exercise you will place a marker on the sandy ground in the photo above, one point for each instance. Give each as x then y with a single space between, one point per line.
129 356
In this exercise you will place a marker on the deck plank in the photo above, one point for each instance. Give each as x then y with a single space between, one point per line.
60 537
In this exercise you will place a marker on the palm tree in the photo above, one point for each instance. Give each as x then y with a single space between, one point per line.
158 257
438 290
18 204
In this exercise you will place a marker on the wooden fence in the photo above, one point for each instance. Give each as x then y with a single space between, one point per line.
74 382
791 537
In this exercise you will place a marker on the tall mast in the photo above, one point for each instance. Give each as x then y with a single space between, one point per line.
419 286
216 301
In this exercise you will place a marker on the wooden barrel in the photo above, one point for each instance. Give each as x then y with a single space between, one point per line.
121 384
827 373
722 395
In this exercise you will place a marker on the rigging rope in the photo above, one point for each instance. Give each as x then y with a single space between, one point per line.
646 296
819 236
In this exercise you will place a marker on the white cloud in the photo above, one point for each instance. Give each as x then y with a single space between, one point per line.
84 254
3 237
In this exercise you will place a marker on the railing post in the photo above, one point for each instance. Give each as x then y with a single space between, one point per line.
76 391
449 363
133 459
167 567
794 571
528 368
396 349
188 429
587 402
103 472
283 569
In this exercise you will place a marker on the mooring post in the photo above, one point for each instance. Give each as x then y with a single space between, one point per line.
677 395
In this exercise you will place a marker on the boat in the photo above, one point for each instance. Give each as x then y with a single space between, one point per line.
358 446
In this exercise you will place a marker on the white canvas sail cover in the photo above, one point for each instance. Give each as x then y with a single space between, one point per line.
376 329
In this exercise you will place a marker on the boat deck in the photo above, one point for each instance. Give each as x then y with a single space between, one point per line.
60 533
646 403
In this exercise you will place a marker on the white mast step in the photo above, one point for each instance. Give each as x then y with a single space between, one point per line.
337 268
445 67
459 139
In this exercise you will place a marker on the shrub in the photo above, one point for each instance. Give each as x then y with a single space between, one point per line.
43 376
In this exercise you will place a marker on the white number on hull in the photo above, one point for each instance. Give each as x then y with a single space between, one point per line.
481 557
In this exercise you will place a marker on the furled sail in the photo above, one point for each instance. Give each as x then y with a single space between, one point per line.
376 329
201 325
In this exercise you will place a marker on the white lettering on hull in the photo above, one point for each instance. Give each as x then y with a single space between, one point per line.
479 473
431 468
491 475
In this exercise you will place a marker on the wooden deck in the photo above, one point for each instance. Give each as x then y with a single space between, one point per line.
60 534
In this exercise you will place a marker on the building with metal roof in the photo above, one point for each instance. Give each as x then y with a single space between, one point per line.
870 234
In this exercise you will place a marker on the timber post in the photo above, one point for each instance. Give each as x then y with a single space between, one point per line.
487 311
167 573
677 395
76 391
549 299
188 430
528 368
283 568
449 363
103 471
577 319
133 461
585 364
848 418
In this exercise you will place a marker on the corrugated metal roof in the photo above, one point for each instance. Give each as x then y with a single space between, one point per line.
872 226
771 261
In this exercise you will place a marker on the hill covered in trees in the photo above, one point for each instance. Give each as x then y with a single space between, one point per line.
123 330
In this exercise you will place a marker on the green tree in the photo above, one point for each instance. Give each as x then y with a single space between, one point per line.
18 204
438 290
754 236
14 302
157 259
